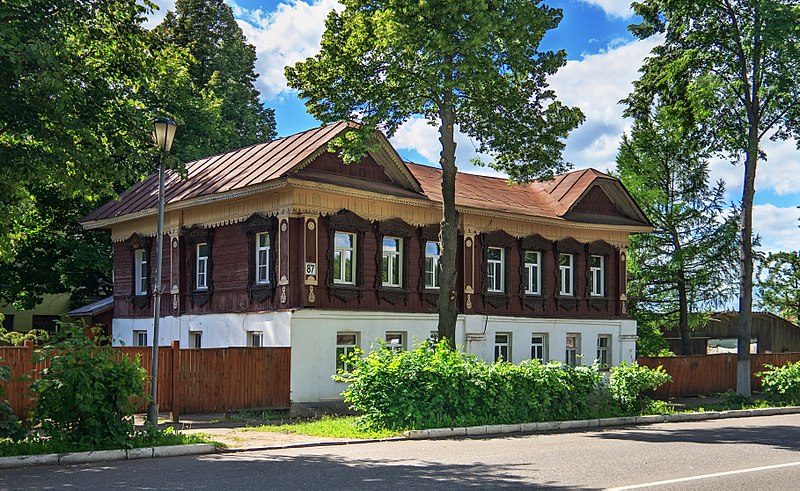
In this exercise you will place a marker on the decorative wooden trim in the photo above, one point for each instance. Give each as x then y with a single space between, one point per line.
394 227
256 224
606 250
567 246
427 233
534 243
346 221
133 243
498 238
193 236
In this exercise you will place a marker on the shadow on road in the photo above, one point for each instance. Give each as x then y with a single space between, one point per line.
777 436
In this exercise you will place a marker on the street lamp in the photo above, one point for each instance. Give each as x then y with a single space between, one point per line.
163 133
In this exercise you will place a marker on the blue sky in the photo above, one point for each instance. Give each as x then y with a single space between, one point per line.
603 60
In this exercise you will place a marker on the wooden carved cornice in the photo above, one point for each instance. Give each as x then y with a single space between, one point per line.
192 236
535 242
256 224
601 248
346 221
134 242
568 246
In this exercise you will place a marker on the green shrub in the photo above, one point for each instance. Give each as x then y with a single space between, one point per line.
437 386
10 426
89 393
781 384
628 381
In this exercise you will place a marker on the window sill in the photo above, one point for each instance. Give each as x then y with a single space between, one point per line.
345 292
260 292
140 301
200 297
567 303
430 296
598 303
497 299
535 302
393 294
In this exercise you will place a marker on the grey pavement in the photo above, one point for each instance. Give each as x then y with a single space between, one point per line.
745 453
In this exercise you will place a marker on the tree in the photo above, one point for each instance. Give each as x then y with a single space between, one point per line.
475 65
689 260
740 60
222 64
779 284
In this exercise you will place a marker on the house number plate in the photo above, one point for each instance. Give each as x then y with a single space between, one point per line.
311 269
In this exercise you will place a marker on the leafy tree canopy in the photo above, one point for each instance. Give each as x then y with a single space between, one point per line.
779 284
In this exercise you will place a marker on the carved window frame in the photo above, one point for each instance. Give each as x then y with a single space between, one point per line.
428 233
133 243
394 227
497 239
259 223
192 237
606 251
568 246
534 243
346 221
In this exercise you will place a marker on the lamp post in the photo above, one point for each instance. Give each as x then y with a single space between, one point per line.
163 133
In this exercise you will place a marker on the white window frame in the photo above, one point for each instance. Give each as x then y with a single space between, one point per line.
201 268
395 341
140 338
572 353
343 348
390 259
534 272
604 350
539 347
195 339
141 271
255 339
495 270
432 266
342 251
500 346
597 275
262 260
567 275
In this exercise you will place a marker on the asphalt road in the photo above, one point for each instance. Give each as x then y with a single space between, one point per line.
747 453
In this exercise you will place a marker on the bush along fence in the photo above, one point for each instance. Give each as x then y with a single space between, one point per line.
208 380
709 374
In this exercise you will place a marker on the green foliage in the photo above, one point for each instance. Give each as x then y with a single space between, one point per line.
779 284
781 384
10 426
650 340
328 426
89 393
628 382
17 338
437 386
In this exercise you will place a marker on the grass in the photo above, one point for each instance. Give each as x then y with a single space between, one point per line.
327 426
246 415
35 445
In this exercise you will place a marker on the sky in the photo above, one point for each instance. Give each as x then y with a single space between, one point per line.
603 61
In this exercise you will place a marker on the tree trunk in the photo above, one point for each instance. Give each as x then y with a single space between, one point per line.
746 264
448 236
683 316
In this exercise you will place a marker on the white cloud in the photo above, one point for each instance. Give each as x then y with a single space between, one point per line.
777 226
157 15
613 8
596 84
290 33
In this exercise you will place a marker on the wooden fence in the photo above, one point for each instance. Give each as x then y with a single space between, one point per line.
208 380
710 374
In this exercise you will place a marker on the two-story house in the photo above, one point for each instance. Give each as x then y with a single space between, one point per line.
281 244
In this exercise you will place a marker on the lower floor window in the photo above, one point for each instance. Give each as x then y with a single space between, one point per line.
604 350
346 343
539 347
255 339
140 338
395 341
195 339
502 343
573 346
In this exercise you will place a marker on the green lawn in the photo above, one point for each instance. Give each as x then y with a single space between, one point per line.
327 426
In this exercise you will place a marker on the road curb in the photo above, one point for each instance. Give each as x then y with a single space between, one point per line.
105 455
582 424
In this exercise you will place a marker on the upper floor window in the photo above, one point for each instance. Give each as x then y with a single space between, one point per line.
201 264
344 253
141 269
532 273
495 257
431 264
262 258
392 261
597 275
565 266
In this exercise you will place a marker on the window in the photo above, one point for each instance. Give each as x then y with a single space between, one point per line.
262 258
395 341
573 347
539 347
502 344
346 343
255 339
494 269
140 338
565 266
604 350
47 323
532 273
8 322
344 253
196 339
431 264
392 263
201 264
597 275
141 270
